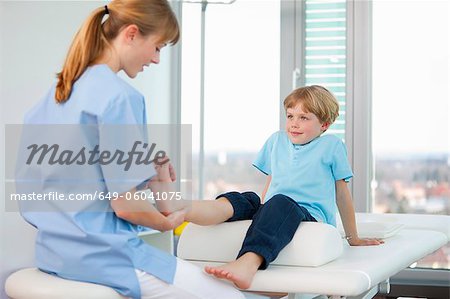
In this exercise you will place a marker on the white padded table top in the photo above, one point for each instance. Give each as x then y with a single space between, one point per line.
440 223
356 271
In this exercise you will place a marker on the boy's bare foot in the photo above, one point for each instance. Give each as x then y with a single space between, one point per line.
240 272
235 272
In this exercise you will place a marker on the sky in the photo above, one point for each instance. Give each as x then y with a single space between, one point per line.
241 73
411 76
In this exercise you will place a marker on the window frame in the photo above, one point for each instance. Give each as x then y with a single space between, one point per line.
359 101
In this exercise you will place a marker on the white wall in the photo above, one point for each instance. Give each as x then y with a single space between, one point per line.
34 38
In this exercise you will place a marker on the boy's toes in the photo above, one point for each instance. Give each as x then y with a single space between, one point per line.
220 273
209 270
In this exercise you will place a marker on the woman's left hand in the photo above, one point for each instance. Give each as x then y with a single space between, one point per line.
176 218
365 241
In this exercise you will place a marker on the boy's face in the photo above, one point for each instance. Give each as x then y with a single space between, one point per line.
301 126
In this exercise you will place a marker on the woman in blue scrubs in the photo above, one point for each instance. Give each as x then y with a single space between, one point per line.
97 241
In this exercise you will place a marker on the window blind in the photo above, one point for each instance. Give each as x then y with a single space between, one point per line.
325 52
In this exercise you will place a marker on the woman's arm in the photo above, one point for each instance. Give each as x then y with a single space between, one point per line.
142 212
347 212
266 187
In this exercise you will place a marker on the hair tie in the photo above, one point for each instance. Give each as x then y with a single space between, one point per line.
106 10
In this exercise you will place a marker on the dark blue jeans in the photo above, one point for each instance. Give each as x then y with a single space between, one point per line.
273 223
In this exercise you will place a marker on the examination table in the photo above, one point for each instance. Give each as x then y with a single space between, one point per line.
342 270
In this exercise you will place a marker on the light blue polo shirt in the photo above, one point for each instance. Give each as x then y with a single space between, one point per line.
86 241
306 173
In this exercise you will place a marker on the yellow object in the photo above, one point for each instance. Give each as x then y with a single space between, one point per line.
177 231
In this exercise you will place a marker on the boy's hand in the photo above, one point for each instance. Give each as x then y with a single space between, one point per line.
365 241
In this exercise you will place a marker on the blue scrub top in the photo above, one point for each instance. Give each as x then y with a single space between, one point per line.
306 173
90 243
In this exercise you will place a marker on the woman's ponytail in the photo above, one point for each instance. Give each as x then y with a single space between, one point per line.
87 46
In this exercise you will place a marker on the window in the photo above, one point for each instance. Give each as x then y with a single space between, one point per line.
241 91
410 99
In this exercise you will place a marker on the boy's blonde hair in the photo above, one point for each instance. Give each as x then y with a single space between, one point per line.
314 99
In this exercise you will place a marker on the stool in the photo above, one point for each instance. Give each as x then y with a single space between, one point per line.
30 283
